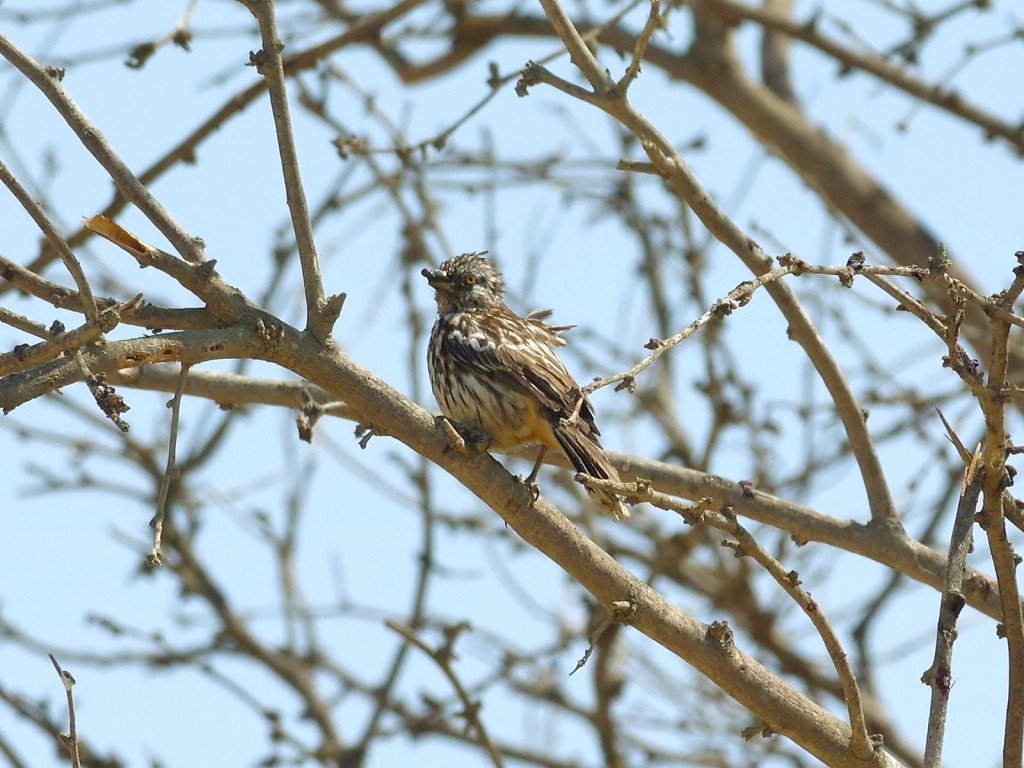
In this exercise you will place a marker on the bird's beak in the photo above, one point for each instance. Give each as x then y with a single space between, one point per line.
438 280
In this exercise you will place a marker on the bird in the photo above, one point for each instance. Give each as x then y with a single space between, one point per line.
495 374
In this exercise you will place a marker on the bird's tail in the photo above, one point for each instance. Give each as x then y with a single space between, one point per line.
588 457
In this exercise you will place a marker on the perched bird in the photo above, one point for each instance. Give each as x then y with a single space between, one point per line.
496 373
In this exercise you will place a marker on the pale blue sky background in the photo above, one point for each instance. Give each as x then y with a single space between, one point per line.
63 555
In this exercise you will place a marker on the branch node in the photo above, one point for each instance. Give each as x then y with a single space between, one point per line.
721 633
365 433
531 75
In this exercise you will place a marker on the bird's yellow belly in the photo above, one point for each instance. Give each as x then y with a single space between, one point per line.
511 419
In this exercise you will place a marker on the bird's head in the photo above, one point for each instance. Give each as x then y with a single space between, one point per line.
465 282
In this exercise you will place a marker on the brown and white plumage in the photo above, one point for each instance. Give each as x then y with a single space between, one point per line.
497 372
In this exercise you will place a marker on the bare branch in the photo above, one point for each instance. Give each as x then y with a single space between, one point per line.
939 676
71 742
56 240
155 556
443 657
270 65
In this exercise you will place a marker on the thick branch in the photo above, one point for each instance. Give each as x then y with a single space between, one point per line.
889 547
776 20
881 543
711 651
189 347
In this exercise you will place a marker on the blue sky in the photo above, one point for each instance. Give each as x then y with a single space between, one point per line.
63 555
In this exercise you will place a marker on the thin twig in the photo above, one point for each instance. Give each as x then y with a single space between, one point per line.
654 21
939 675
60 342
361 29
736 298
70 740
742 294
579 53
22 323
111 403
35 210
442 657
155 556
232 389
954 438
683 184
179 35
861 743
54 294
135 312
270 65
622 612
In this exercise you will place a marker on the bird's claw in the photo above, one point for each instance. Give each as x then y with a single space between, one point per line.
532 487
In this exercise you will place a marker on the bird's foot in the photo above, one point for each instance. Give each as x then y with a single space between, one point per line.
530 480
463 438
531 486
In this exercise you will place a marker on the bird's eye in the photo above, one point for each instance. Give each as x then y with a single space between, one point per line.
469 280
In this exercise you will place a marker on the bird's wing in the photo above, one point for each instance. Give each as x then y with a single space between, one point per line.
512 350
